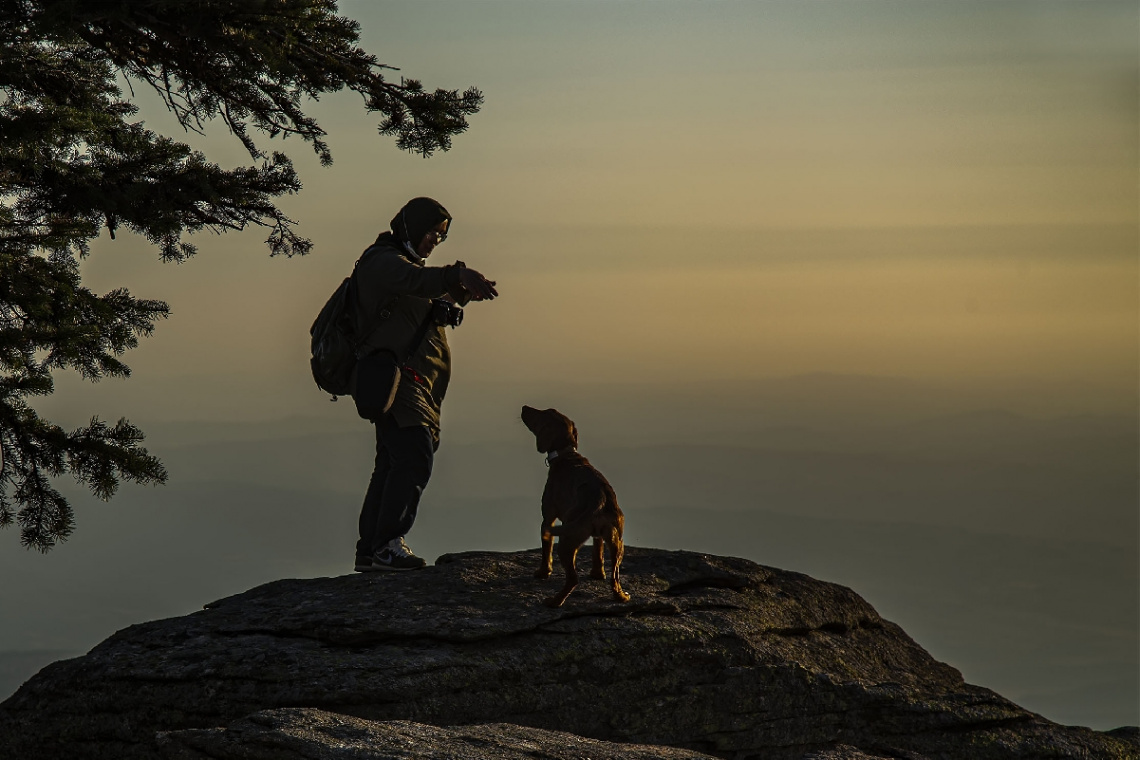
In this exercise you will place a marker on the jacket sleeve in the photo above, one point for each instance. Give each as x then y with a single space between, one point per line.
389 272
455 288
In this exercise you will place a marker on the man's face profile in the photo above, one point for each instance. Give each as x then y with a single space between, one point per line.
432 238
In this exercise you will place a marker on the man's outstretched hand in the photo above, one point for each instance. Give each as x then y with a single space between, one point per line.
476 285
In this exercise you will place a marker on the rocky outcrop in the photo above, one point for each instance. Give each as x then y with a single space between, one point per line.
715 655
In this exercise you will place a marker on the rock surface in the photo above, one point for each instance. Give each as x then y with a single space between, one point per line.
716 655
302 733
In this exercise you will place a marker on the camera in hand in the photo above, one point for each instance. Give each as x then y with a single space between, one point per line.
445 313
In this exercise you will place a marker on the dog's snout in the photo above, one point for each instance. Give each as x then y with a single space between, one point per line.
530 417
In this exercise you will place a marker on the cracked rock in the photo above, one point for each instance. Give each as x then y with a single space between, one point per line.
713 655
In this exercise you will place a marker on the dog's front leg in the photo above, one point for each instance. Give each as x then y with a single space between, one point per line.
567 552
544 565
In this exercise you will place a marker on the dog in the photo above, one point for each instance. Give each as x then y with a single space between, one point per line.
581 498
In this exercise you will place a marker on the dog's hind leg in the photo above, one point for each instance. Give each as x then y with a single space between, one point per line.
567 553
617 549
598 570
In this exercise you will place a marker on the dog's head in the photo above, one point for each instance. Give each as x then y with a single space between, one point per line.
552 430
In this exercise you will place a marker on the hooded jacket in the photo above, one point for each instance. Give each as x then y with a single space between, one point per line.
394 291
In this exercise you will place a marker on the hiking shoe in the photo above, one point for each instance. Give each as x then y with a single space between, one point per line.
396 556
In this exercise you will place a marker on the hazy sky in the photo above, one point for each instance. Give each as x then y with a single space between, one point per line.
670 191
927 208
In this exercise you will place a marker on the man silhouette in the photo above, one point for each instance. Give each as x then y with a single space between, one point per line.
399 299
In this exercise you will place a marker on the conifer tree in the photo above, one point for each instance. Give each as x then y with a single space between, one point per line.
73 163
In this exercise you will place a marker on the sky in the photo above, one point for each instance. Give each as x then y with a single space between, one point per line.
850 288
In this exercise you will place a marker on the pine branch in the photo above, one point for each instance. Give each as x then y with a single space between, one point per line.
73 163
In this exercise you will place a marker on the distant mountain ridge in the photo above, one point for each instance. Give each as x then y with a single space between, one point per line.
715 655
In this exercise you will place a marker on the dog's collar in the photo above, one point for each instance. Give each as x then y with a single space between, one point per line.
552 455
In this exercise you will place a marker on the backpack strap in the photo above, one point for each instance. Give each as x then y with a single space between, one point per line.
384 311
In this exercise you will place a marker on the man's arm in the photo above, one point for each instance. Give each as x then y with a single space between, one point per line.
386 271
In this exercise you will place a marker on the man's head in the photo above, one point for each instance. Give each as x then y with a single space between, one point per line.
422 223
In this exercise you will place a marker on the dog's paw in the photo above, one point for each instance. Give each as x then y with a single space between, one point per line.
541 573
621 596
554 602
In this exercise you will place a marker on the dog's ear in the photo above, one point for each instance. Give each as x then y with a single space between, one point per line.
545 436
546 430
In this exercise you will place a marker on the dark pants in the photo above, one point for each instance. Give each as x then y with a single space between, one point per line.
403 467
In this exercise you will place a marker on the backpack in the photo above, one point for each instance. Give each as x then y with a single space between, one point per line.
333 337
334 341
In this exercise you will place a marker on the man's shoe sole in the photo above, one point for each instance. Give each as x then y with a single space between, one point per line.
392 569
379 567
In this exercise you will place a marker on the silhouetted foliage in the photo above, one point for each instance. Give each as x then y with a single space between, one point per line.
73 163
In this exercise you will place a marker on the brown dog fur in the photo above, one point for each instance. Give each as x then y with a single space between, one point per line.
581 498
